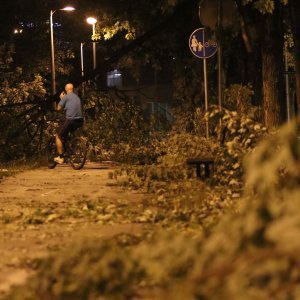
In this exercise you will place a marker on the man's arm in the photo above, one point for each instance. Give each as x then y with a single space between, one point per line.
61 96
58 107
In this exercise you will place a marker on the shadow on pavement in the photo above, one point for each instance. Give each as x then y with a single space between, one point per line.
94 165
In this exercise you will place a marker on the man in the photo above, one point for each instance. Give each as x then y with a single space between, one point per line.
71 104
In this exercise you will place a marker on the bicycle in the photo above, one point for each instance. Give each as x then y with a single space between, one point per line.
75 151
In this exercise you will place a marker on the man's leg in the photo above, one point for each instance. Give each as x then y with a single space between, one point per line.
60 150
58 140
74 125
59 145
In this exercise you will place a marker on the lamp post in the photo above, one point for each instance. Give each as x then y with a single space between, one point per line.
92 21
82 67
81 59
67 8
220 58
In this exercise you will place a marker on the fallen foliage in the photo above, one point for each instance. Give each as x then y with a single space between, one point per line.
249 253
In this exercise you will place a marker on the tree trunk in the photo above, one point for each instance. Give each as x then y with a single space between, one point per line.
294 6
253 64
272 69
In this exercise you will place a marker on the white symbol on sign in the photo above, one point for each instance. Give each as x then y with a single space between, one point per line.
196 45
201 45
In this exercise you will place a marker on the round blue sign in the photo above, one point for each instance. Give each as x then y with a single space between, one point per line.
202 45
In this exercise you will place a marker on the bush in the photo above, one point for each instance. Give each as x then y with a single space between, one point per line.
241 134
84 272
20 121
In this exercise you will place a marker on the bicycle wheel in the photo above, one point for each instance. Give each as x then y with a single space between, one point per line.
77 152
51 153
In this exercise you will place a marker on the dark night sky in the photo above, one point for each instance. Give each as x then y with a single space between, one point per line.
37 11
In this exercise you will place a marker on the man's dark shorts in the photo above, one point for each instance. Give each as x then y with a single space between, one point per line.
68 127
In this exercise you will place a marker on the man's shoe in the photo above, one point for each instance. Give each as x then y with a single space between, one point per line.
59 160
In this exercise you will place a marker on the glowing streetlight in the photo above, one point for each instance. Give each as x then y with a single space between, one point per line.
92 21
18 31
67 8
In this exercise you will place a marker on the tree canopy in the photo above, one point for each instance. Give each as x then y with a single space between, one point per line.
152 35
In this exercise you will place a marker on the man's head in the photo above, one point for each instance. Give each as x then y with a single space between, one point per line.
69 88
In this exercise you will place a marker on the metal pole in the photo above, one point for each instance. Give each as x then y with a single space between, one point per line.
81 59
205 85
287 84
205 94
82 68
220 66
52 54
94 51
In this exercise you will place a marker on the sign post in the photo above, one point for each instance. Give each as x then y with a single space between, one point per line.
287 82
220 61
205 94
202 46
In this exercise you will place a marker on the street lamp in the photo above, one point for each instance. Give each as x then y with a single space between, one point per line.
67 8
93 21
18 31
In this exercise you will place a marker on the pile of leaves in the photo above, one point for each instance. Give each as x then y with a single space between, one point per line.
241 135
171 162
250 253
117 128
181 206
